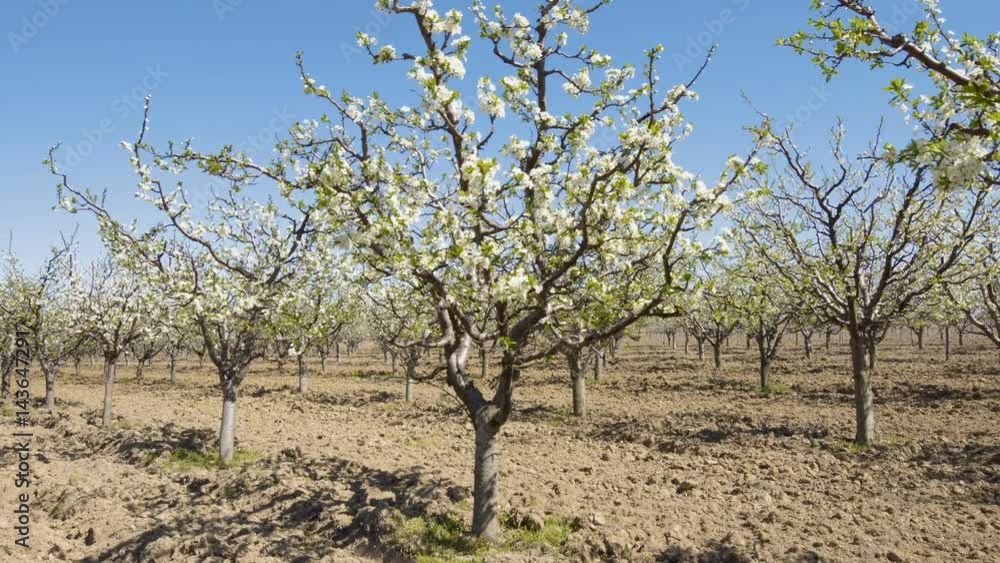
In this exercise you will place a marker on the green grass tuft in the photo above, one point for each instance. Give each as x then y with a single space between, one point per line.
559 416
553 534
849 446
776 389
445 539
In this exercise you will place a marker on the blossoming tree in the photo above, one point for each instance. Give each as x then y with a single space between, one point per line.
230 263
114 306
495 211
956 112
861 241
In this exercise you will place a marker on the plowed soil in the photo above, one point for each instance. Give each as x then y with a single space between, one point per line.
674 462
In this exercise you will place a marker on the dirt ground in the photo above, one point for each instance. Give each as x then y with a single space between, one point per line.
673 463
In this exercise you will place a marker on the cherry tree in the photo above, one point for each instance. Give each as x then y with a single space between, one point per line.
496 229
713 317
321 303
979 297
404 322
47 305
114 307
861 241
230 263
955 112
10 305
763 302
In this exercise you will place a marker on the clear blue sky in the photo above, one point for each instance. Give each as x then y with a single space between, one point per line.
222 71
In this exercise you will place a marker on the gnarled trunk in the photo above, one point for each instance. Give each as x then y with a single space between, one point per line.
717 354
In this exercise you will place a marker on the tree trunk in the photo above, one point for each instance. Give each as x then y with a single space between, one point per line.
863 396
701 350
920 338
303 376
336 351
486 501
827 342
227 431
807 340
173 370
579 384
110 367
322 363
411 369
947 343
686 339
50 390
394 364
872 354
598 365
717 354
5 382
765 364
484 363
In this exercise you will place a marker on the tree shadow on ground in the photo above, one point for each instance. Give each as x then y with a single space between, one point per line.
907 392
975 465
285 506
683 430
714 552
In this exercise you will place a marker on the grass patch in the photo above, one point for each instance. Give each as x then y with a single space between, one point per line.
438 539
419 442
184 459
849 447
445 539
553 534
776 389
559 416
